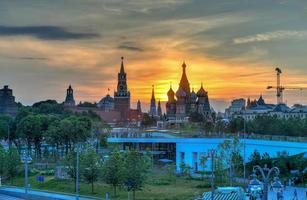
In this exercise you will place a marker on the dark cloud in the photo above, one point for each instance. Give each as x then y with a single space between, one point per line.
129 46
33 58
45 32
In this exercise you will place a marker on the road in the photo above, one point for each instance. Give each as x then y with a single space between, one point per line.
5 197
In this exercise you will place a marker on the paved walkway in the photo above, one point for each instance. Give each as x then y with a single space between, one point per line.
289 193
5 197
21 191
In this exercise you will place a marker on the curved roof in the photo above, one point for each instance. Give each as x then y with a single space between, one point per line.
201 92
180 92
193 95
170 92
107 99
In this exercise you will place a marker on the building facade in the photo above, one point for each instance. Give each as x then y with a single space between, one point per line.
122 95
8 106
184 102
69 100
113 110
259 107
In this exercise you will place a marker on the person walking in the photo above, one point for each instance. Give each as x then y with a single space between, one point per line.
295 195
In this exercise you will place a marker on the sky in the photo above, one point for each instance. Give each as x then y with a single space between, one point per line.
232 47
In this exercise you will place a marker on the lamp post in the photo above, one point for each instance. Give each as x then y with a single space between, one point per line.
244 153
265 173
211 155
26 159
278 188
77 172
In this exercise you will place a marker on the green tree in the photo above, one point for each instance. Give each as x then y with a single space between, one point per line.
12 163
136 168
30 129
203 164
6 126
229 154
2 162
90 166
70 162
113 170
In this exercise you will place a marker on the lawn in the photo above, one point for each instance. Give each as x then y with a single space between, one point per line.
159 186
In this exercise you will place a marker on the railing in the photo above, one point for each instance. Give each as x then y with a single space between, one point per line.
177 134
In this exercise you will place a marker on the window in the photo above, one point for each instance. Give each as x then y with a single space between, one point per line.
181 157
195 161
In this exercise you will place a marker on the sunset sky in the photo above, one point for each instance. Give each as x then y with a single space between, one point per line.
232 47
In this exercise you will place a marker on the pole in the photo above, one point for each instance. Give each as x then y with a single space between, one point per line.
266 180
77 174
212 175
26 174
244 164
8 135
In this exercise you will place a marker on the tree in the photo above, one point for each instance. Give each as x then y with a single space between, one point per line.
255 158
71 164
203 164
12 163
136 168
6 125
2 162
229 154
100 131
90 166
30 129
113 170
147 120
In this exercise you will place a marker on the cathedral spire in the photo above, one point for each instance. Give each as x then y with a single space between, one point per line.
139 107
153 108
159 109
153 92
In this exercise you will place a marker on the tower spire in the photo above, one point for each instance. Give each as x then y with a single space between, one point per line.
153 108
122 69
153 92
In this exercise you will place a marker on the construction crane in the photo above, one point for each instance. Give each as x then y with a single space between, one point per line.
280 89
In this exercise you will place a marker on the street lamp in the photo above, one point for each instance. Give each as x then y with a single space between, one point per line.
278 187
26 159
211 154
255 186
266 173
77 172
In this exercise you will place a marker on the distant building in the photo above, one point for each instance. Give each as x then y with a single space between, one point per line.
122 95
259 107
69 100
159 110
139 106
153 108
236 106
8 106
106 103
184 102
114 110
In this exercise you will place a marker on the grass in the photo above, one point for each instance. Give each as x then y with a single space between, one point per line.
159 186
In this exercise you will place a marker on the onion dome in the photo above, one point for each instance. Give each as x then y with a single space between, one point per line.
201 92
180 93
193 95
170 92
